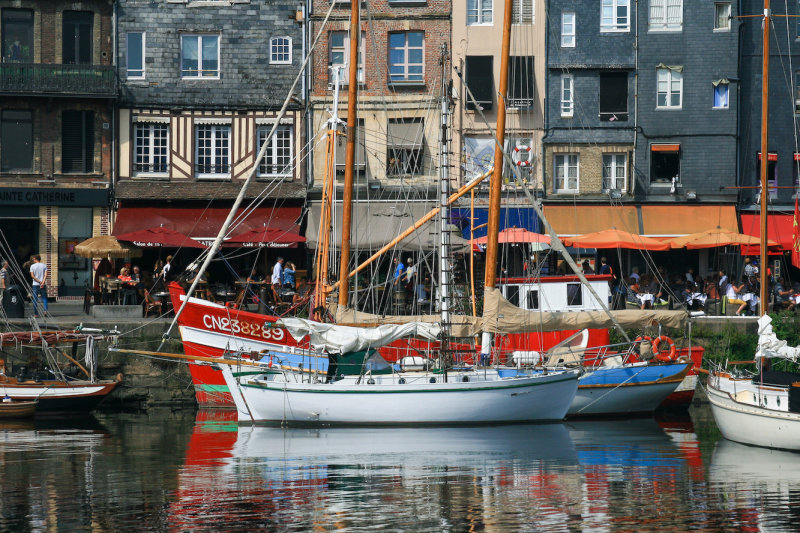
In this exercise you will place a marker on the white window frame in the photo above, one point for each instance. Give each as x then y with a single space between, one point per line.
200 69
568 35
215 130
150 149
278 143
615 162
480 15
567 95
276 54
672 76
562 161
518 15
128 74
345 51
727 96
406 64
612 24
723 5
663 22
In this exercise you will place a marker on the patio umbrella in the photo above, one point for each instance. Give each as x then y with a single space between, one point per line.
160 236
614 238
267 237
105 246
714 238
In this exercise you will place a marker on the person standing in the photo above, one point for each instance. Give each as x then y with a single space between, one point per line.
4 279
289 272
277 274
39 275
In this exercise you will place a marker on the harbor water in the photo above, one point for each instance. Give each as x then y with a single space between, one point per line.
199 471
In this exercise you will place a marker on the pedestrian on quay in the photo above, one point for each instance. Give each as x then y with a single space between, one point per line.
39 276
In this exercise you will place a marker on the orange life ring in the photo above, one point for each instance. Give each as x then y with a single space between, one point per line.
665 356
641 338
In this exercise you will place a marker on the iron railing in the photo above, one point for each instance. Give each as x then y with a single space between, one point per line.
40 78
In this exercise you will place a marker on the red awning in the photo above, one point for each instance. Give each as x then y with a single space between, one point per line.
267 237
159 236
203 224
779 229
772 156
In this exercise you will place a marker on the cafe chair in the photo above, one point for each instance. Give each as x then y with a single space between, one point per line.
238 302
150 304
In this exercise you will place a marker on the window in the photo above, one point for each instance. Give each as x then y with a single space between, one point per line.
574 294
521 82
280 51
277 162
797 91
665 164
721 92
615 16
150 148
772 174
405 147
212 144
406 57
135 44
613 96
17 31
478 71
522 11
566 96
77 38
339 56
361 150
615 170
722 16
77 142
512 294
670 88
533 299
477 156
666 15
16 141
568 29
200 56
479 12
566 172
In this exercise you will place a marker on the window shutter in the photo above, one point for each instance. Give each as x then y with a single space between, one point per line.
674 12
77 141
656 12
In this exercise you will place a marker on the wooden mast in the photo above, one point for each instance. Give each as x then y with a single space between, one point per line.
764 295
352 131
495 185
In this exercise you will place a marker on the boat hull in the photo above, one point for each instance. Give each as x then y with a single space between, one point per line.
632 389
752 424
59 396
389 402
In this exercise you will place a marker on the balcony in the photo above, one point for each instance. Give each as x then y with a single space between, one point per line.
40 79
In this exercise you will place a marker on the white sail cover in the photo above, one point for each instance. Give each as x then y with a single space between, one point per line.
501 316
333 338
460 325
770 346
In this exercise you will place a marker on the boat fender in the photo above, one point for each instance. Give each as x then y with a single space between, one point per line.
667 354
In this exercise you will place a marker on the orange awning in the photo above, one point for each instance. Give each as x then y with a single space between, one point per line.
678 220
614 238
570 220
665 147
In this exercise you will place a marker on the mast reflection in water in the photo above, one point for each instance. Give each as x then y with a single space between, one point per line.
172 472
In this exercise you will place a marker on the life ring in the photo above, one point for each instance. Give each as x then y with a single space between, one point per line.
524 149
664 355
641 339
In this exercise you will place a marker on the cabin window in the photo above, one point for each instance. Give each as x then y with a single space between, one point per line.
522 11
280 50
722 16
568 29
615 171
613 96
151 148
615 16
200 56
521 82
574 294
339 56
17 32
16 141
512 294
670 88
405 147
277 161
666 15
533 299
480 82
212 144
135 55
479 12
665 164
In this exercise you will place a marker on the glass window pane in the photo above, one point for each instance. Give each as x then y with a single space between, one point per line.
415 38
135 54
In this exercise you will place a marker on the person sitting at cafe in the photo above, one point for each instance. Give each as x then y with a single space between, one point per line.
632 292
302 293
783 295
124 275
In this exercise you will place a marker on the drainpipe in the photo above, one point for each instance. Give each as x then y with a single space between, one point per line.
113 173
545 116
635 98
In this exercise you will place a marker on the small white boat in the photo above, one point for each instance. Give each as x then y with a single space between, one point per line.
761 410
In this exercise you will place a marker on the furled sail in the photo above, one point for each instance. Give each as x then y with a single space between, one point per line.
501 316
770 346
460 325
334 338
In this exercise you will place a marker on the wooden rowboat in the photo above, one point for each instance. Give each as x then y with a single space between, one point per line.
17 409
